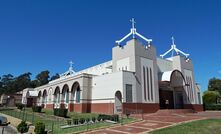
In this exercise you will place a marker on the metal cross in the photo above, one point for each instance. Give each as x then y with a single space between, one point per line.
71 64
133 23
173 40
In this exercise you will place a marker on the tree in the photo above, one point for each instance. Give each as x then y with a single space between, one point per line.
34 84
43 77
22 81
1 84
214 85
7 79
11 84
54 77
6 83
210 97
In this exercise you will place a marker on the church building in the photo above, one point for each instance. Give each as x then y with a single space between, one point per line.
135 80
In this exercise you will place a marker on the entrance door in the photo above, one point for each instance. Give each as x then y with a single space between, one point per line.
178 100
166 96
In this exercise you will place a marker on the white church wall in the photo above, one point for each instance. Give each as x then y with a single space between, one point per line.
105 86
148 81
190 90
124 54
129 78
164 65
123 64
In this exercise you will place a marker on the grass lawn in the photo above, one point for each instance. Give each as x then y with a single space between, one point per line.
208 126
53 123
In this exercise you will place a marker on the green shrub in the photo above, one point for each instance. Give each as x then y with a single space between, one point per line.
75 121
40 128
22 127
82 120
36 109
114 117
93 119
213 106
69 122
20 106
210 97
87 120
60 112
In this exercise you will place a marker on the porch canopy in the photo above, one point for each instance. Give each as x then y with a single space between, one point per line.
32 94
174 78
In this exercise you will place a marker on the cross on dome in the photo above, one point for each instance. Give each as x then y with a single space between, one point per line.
173 48
133 32
71 65
70 70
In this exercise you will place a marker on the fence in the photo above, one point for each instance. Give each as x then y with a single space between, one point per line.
138 113
54 124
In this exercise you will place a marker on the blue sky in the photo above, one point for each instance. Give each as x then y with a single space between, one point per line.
43 34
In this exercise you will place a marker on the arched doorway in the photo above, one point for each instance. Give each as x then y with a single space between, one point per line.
57 97
65 95
171 91
39 98
75 95
118 103
44 98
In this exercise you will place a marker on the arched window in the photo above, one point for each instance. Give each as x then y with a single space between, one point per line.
151 84
191 88
187 88
148 84
144 81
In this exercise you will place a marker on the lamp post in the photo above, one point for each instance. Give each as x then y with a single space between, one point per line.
7 102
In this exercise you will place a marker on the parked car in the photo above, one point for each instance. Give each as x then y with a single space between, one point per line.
3 121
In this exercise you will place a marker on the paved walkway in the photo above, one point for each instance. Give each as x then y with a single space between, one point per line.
8 130
156 121
14 122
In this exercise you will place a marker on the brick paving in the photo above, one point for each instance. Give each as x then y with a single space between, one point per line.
157 121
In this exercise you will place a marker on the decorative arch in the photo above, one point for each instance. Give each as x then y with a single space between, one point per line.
50 94
44 96
39 98
65 93
39 94
175 78
76 92
57 95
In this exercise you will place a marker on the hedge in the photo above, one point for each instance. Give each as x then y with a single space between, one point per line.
40 128
114 117
22 127
213 106
60 112
36 109
20 106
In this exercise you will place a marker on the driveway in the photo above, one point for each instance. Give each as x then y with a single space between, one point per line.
155 121
7 130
